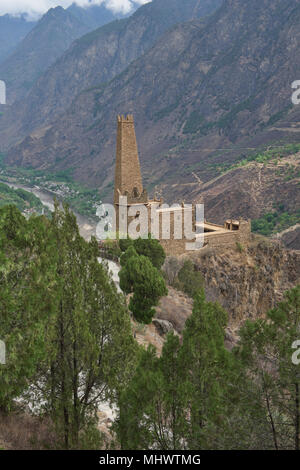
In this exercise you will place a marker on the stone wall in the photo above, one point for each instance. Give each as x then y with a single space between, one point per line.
230 238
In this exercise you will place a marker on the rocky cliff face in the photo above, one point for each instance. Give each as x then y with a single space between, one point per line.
246 283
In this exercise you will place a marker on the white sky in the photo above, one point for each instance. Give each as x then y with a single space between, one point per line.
34 8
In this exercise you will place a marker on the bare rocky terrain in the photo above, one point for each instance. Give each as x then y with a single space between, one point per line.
291 237
248 191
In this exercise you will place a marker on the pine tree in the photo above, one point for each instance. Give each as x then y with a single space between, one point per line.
208 363
90 348
266 351
180 400
26 276
152 409
140 277
149 247
152 249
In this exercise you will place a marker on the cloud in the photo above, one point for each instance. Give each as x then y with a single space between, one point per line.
35 8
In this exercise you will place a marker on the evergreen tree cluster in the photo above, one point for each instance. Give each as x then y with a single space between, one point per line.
66 328
70 349
141 262
200 395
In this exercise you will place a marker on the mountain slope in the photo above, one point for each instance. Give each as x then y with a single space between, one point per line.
251 190
12 31
95 59
51 36
216 91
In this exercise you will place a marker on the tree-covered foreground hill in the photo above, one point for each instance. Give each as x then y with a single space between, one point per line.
70 349
66 328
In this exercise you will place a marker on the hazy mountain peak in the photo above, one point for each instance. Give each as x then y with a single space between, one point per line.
49 38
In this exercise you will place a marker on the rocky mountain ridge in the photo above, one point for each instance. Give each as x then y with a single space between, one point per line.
12 31
50 37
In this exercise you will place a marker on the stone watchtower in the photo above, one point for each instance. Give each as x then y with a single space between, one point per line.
168 223
128 178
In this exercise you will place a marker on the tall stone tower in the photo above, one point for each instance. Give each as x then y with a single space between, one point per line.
128 178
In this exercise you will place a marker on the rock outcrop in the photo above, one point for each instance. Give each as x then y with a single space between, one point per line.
248 283
291 237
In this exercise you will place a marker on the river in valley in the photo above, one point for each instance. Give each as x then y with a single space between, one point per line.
86 227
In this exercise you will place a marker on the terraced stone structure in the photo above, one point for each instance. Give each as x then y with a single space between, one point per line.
164 220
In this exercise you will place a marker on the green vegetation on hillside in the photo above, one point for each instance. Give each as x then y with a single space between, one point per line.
263 156
188 279
80 198
20 198
70 348
140 277
194 123
269 352
149 247
274 222
199 395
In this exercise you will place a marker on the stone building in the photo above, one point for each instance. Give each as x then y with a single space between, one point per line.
168 224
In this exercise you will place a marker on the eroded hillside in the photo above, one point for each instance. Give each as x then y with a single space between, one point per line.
247 281
249 191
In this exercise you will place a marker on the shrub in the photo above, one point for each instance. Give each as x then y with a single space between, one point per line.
149 247
152 249
125 243
240 247
171 269
113 248
140 277
189 280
